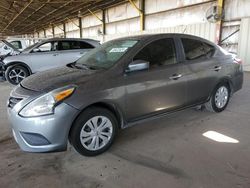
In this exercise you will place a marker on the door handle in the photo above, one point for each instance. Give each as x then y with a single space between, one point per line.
175 76
55 54
217 68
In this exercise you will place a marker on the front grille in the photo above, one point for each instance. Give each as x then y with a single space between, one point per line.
13 101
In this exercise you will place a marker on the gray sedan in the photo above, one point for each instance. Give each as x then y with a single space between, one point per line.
121 83
45 55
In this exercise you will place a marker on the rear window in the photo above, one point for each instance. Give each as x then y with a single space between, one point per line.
74 45
195 49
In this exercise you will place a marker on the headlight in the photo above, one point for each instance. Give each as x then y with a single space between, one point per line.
45 104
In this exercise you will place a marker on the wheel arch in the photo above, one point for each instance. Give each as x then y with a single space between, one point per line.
225 80
14 63
107 105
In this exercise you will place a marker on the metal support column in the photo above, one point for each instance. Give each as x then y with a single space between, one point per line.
80 26
219 24
103 22
64 30
53 31
44 33
141 12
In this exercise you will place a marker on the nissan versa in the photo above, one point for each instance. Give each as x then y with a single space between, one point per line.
116 85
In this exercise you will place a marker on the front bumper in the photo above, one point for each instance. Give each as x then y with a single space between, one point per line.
44 133
2 69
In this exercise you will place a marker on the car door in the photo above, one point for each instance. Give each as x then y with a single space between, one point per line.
201 69
70 50
158 89
44 57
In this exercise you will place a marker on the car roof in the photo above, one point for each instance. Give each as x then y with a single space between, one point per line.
170 35
70 39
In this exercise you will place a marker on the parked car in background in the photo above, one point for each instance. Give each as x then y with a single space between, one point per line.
45 55
116 85
10 45
7 48
19 43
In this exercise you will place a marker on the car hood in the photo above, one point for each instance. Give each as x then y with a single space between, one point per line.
55 78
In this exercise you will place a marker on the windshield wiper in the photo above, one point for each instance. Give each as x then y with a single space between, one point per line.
81 66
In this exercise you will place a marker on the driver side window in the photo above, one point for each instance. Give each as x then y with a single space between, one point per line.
158 53
46 47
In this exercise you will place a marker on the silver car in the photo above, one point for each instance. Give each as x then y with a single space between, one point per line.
45 55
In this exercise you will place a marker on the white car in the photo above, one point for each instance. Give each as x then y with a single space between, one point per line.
6 48
45 55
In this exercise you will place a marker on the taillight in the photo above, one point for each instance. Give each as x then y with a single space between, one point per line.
238 61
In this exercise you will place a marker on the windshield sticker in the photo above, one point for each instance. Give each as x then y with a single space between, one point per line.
118 50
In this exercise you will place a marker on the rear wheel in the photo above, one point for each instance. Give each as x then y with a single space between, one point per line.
219 99
16 73
94 131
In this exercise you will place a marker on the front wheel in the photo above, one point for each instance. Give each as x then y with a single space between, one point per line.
219 99
15 74
94 131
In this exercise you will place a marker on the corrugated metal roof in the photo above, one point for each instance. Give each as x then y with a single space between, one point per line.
26 16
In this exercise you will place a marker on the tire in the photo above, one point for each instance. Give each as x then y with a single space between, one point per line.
16 73
219 99
84 138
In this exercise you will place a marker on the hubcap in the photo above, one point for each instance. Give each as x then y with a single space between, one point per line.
221 97
17 75
96 133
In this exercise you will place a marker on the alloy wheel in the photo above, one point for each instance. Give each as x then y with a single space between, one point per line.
17 75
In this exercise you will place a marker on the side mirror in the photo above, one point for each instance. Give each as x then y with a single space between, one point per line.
137 65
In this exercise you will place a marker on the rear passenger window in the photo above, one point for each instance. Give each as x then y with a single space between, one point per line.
74 45
158 53
195 49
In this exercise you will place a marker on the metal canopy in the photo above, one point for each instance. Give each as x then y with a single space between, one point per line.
27 16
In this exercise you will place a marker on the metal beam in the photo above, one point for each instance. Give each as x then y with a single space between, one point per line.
80 26
95 15
5 8
63 13
141 13
64 29
77 25
219 24
104 22
39 8
60 7
23 9
44 33
53 31
73 14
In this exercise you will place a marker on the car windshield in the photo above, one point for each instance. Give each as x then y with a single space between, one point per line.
106 55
